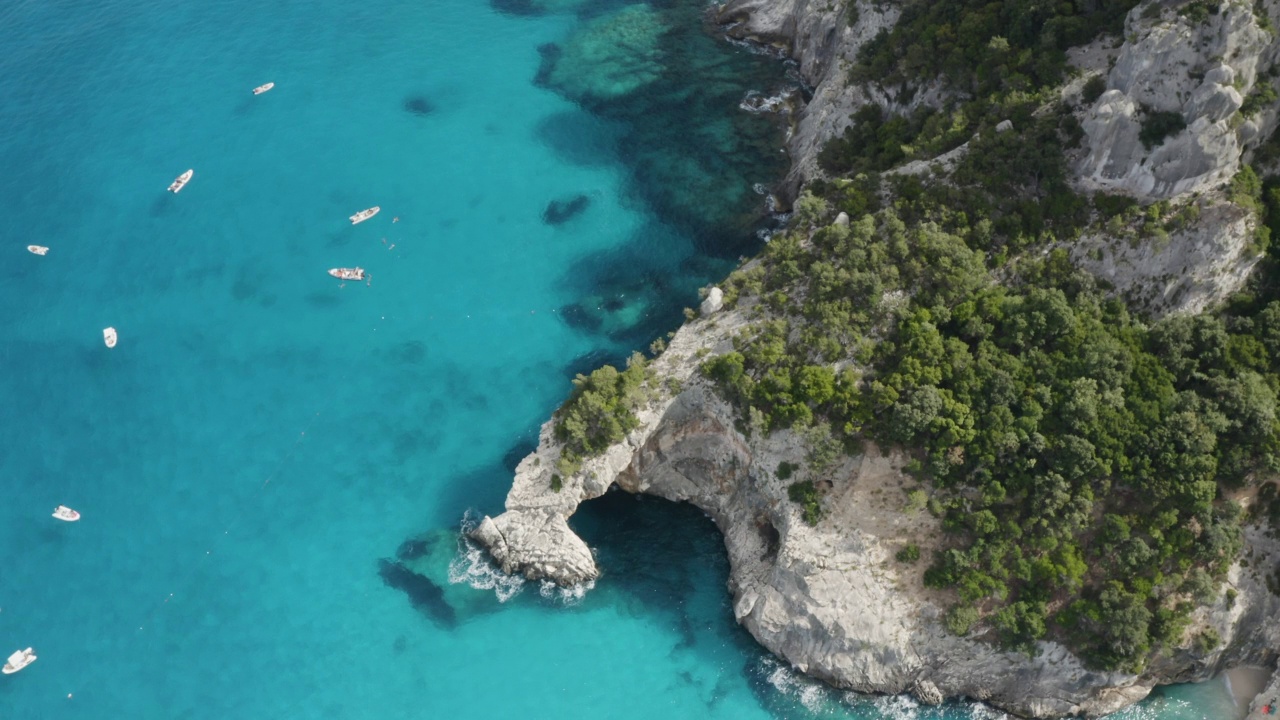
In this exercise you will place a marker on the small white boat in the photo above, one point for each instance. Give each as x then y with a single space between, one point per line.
263 88
348 273
364 215
66 514
38 249
109 336
19 660
181 181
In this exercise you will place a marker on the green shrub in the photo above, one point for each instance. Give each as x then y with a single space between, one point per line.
1259 99
1198 12
785 469
1093 89
807 496
1207 641
1158 125
908 554
601 409
960 619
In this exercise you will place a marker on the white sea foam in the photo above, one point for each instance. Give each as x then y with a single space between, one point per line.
473 566
757 102
569 596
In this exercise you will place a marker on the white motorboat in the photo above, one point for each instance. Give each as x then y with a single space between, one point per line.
181 181
109 336
348 273
38 249
66 514
18 660
263 88
364 215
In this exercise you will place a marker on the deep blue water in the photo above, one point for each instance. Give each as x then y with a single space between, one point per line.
262 440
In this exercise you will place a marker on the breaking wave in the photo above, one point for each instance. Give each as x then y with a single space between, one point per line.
473 566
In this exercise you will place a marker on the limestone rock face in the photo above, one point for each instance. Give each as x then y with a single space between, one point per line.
1200 71
816 34
713 302
1188 271
826 598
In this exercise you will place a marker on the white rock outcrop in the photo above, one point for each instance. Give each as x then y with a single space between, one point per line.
712 302
1199 70
1186 271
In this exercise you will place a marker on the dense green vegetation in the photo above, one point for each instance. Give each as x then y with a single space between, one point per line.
1078 455
1075 453
600 411
980 46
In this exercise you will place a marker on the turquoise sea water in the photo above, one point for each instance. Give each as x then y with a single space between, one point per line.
261 438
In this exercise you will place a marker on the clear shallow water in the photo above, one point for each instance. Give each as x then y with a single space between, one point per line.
261 437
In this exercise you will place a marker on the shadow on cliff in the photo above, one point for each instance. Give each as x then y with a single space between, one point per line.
665 562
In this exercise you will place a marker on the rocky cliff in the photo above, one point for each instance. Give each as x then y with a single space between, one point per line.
1197 70
827 598
1209 78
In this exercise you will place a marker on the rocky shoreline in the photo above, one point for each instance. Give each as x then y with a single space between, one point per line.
827 598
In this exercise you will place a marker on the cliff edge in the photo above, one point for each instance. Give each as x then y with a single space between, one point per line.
827 596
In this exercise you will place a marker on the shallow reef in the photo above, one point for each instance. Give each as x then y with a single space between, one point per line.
675 90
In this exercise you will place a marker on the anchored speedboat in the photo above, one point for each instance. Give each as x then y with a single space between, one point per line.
364 215
38 249
18 660
348 273
181 181
263 88
66 514
109 336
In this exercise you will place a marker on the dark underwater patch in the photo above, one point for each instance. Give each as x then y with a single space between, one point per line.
418 105
694 156
517 8
517 452
412 549
425 596
550 54
576 316
410 352
559 212
579 138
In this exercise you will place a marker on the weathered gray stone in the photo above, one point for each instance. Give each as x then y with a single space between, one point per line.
1185 271
1201 70
1004 126
713 302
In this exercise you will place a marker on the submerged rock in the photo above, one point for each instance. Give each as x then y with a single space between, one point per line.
423 570
425 596
419 105
559 212
610 56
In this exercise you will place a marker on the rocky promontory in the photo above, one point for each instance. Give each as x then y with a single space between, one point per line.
825 594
